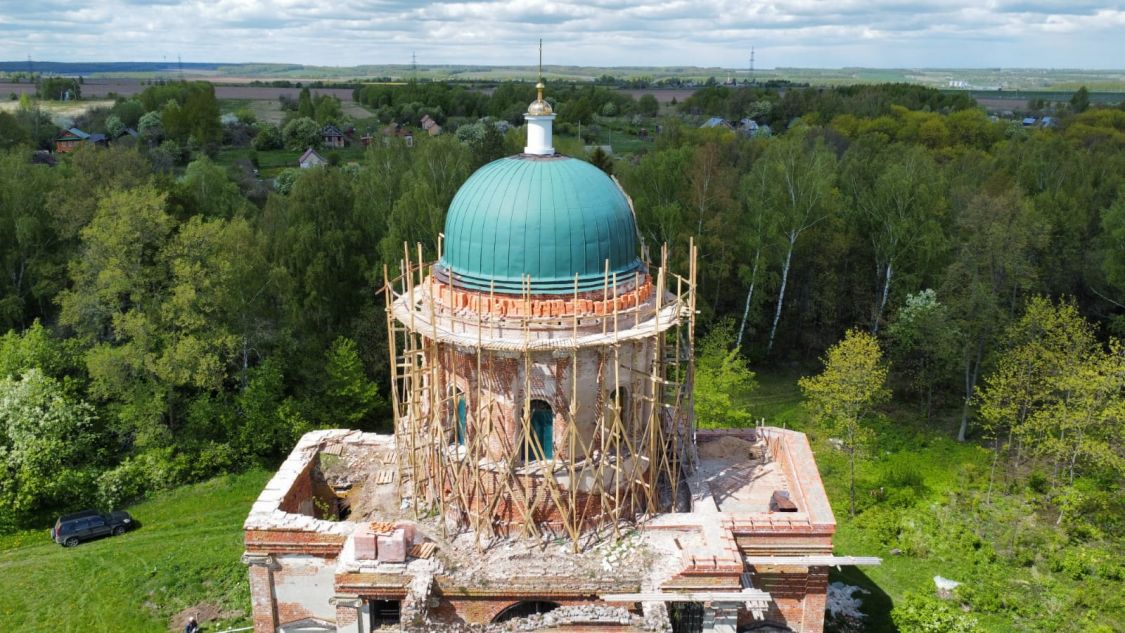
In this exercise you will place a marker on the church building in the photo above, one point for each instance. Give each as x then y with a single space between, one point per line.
545 472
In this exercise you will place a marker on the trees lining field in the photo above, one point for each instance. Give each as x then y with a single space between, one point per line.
183 320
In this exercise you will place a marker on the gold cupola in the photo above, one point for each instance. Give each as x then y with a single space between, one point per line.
539 107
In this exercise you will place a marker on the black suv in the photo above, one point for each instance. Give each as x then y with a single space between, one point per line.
71 529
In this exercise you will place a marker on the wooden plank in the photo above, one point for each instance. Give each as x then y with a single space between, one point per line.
746 595
423 550
818 561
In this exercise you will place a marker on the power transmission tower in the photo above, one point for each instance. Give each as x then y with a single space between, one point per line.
751 64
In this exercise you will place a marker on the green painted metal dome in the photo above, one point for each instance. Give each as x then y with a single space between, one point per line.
546 217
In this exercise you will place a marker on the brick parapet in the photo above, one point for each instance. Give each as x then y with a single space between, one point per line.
792 451
630 294
294 542
274 523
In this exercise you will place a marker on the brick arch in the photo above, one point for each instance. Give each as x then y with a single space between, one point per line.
523 609
770 626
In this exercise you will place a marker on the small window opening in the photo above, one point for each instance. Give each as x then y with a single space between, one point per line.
385 612
524 609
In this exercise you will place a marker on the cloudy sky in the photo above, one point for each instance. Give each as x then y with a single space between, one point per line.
809 33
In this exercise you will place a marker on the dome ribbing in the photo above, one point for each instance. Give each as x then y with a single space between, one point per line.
550 218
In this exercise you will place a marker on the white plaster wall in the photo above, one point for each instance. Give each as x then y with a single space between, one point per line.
307 581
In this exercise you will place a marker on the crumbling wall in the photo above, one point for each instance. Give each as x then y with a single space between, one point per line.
303 586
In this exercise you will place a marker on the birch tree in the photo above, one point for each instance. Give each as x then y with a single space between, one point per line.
896 193
991 273
712 181
761 234
796 175
924 344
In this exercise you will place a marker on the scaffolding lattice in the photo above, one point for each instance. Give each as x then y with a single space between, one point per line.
464 378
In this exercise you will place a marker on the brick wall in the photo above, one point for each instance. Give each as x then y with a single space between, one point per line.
799 597
261 599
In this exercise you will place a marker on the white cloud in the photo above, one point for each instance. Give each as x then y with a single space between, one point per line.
826 33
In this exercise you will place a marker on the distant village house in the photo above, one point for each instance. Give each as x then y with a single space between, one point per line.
395 131
69 140
311 159
333 137
430 125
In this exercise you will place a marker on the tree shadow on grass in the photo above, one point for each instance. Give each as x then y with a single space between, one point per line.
877 604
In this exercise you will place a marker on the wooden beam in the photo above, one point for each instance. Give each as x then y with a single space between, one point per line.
812 561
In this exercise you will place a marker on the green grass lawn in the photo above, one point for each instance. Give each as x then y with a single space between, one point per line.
268 110
185 553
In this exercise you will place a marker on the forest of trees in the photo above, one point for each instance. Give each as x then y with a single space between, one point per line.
165 325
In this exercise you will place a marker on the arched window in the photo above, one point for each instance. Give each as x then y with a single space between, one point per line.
462 418
542 433
524 609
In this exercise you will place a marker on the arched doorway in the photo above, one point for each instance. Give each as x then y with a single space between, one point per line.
542 433
524 609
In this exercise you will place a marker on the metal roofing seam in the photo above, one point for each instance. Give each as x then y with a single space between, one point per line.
550 219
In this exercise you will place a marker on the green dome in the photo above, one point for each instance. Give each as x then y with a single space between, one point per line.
547 217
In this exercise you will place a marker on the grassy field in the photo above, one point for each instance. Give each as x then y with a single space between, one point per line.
267 110
185 554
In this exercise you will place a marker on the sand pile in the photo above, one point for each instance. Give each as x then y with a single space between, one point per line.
729 449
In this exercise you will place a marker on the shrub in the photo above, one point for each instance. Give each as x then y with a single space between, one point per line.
153 470
301 133
49 446
268 137
917 613
284 182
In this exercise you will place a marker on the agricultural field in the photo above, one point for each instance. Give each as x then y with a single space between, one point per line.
268 110
184 558
101 88
62 113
